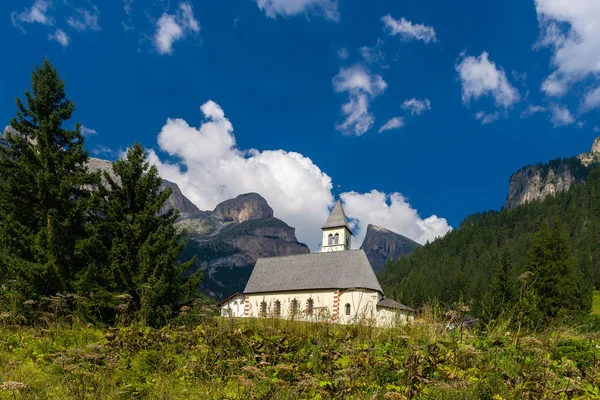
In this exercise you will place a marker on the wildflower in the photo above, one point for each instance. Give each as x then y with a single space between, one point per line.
12 386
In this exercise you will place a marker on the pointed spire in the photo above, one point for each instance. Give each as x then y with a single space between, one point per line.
337 218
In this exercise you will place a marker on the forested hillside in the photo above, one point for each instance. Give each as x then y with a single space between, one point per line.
461 265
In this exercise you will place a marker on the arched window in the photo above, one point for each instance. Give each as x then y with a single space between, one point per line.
277 308
347 308
336 238
294 307
310 305
263 308
330 239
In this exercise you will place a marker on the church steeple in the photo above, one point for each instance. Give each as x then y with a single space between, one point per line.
336 231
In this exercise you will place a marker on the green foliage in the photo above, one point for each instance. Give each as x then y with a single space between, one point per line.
596 303
465 261
225 358
133 247
43 200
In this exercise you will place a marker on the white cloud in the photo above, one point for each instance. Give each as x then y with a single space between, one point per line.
362 87
591 100
103 150
394 123
343 53
581 124
416 106
407 30
211 168
37 13
85 131
60 36
173 27
532 110
560 116
392 212
486 118
84 19
290 8
479 77
572 32
372 54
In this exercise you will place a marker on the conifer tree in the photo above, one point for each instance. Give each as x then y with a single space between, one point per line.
555 282
43 196
502 292
134 246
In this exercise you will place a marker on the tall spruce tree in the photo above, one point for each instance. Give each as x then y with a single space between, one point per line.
555 282
43 200
502 293
134 246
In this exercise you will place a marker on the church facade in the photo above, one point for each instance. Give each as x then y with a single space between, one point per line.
337 285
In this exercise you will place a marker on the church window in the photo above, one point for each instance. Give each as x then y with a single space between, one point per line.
263 308
347 308
310 304
336 238
294 307
277 308
330 239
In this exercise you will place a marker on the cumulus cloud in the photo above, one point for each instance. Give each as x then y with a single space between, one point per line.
290 8
416 107
480 77
560 115
362 87
60 36
37 13
532 110
83 19
572 32
173 27
407 30
591 100
210 168
101 150
343 53
392 211
372 54
394 123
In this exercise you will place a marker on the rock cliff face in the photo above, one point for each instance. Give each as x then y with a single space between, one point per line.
536 182
382 245
228 240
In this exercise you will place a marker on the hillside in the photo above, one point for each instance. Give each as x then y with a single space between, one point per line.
461 264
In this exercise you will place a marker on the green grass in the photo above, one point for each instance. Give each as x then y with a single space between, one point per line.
273 359
596 303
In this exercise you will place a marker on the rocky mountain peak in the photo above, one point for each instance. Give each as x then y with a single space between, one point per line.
596 145
244 207
381 244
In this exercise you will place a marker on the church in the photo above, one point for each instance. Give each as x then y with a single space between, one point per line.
337 285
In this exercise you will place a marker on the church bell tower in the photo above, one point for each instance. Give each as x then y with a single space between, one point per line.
337 235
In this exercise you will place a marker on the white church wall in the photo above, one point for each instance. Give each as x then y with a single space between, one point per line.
233 307
323 301
389 318
362 306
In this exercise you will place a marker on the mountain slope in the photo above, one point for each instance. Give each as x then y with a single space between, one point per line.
460 265
382 245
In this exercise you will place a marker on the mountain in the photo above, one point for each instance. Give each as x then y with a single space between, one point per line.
536 182
228 240
382 245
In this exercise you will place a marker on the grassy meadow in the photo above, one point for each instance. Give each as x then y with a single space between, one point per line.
596 303
215 358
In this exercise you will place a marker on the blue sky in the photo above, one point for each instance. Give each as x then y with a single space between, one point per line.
296 96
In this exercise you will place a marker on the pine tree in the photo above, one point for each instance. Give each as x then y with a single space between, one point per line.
502 293
43 196
134 245
555 282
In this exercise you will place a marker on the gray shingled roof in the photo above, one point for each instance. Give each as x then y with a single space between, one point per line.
330 270
337 218
389 303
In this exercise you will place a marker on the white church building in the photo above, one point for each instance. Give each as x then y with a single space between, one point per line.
337 285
